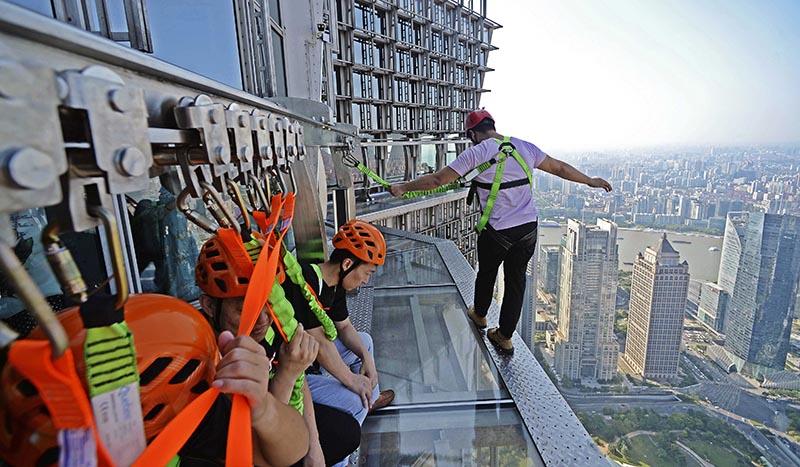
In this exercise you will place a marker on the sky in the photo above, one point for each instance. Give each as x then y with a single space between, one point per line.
605 74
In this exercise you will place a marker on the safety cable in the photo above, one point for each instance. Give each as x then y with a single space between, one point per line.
351 161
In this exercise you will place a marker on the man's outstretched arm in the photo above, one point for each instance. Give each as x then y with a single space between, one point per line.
428 182
567 172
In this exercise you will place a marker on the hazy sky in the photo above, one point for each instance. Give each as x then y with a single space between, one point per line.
596 74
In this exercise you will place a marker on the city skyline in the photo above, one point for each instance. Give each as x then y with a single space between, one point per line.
615 74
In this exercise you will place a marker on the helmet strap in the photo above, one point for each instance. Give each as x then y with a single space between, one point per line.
344 272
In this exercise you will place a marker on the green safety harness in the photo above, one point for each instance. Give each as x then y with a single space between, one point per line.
506 149
277 303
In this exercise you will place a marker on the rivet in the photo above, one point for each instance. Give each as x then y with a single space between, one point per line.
131 162
29 168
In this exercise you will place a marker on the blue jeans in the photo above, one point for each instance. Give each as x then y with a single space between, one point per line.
327 390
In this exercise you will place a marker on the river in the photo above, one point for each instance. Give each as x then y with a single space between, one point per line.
703 264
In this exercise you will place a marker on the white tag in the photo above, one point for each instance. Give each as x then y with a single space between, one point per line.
118 415
78 448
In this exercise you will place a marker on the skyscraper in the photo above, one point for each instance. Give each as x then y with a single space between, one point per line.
659 286
527 321
760 310
586 348
548 267
732 245
713 304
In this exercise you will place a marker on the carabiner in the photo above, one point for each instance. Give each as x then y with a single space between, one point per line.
115 245
193 215
350 160
63 264
236 194
211 192
259 192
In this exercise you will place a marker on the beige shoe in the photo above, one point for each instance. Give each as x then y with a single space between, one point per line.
501 343
480 321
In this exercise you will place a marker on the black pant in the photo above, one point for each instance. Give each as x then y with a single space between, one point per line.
339 433
514 248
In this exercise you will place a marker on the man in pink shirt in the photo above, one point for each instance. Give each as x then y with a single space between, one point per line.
508 229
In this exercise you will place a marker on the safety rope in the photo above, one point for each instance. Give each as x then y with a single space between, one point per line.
354 163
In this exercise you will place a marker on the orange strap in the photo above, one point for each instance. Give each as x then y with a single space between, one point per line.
311 289
288 211
59 386
240 448
177 432
267 224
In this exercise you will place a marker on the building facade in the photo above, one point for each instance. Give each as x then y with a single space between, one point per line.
586 348
406 73
761 307
526 326
548 268
732 244
659 287
713 304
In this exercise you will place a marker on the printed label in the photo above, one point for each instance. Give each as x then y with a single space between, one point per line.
78 448
118 415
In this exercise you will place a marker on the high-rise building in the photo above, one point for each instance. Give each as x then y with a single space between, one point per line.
659 286
713 304
548 268
761 307
732 245
527 322
586 348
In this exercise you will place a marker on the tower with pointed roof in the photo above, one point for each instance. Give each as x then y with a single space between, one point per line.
659 287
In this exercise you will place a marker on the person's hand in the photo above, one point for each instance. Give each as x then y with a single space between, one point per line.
297 355
598 182
361 385
243 369
396 190
315 457
368 369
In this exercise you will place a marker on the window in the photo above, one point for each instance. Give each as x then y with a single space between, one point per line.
280 66
182 39
404 31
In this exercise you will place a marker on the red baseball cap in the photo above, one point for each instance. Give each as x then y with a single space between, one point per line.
475 117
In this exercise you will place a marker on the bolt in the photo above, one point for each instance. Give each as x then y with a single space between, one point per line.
131 162
214 116
243 121
62 88
246 154
29 168
120 100
218 155
262 123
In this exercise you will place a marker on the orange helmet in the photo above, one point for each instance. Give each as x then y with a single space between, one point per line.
176 353
363 240
475 117
225 264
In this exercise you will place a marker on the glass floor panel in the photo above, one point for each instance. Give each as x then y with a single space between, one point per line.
464 436
409 262
426 350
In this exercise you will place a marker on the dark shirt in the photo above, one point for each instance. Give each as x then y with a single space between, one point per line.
333 299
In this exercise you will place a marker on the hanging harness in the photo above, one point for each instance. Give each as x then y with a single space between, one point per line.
507 149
